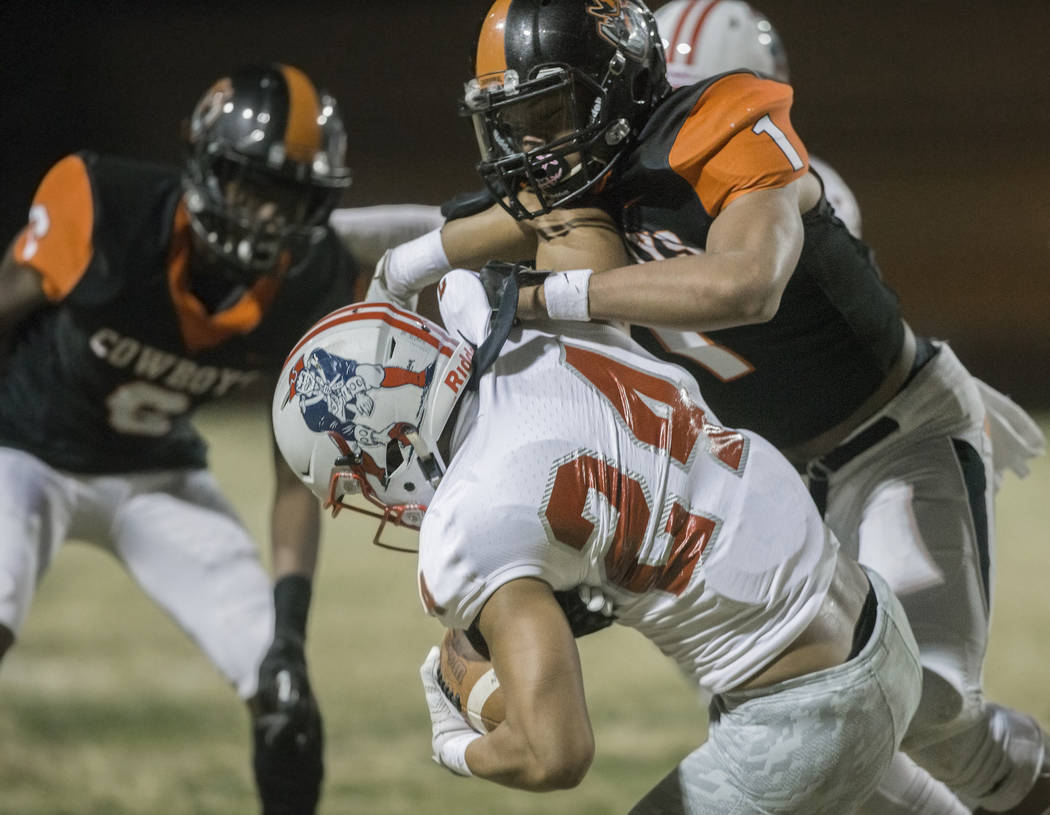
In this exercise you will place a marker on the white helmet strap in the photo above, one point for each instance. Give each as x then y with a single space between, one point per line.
429 460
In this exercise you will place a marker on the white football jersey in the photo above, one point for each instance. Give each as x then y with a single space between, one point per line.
581 459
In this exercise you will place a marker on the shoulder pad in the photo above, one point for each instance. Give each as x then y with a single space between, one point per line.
466 204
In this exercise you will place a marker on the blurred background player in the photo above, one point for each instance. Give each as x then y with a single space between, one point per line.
802 340
563 468
702 38
136 293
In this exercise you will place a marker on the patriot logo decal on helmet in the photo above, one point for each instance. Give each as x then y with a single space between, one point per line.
360 406
339 396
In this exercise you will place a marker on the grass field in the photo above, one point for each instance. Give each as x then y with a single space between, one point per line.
108 708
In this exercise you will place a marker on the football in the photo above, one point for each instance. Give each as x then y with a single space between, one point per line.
468 680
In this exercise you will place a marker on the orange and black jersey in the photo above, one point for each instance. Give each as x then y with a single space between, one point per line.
838 329
106 378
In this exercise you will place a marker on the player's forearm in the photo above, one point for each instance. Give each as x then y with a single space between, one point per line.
545 742
21 293
752 249
577 238
471 242
699 293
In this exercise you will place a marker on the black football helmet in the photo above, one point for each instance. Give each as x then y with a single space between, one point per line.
560 89
265 166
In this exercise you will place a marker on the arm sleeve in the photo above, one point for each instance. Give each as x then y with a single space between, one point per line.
57 241
367 232
738 138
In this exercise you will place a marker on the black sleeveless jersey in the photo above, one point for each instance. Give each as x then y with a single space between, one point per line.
107 377
838 329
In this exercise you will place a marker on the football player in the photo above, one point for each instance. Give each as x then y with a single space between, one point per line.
577 459
135 294
744 275
702 38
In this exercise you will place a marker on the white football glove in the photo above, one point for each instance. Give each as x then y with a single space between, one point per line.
379 289
451 732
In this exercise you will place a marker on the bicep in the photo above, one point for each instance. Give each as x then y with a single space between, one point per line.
21 292
762 232
535 657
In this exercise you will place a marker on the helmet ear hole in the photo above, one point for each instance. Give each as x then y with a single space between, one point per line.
394 457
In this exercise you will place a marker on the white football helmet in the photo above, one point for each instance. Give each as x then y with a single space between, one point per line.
361 402
706 37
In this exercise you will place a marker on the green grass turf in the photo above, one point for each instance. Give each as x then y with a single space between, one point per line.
108 708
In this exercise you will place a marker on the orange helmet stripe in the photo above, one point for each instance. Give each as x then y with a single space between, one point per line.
405 320
302 135
492 54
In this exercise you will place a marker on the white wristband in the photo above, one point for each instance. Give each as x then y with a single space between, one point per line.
567 296
415 264
454 753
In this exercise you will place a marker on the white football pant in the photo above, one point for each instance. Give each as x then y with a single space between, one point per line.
918 508
174 532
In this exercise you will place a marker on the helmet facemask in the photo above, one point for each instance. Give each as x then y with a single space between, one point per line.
560 91
407 459
256 221
546 141
265 167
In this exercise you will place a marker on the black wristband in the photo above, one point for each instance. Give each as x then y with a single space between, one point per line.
291 599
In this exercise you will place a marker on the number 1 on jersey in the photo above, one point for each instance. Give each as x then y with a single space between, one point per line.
765 125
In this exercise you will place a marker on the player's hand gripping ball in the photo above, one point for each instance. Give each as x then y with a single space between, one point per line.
469 682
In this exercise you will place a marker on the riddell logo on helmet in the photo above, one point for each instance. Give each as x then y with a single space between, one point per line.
457 377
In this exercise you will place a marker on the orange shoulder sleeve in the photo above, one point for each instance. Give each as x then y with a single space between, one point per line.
57 241
738 138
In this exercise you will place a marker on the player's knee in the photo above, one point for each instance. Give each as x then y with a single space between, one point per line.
992 760
943 711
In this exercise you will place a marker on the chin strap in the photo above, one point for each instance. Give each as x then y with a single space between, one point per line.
431 466
500 280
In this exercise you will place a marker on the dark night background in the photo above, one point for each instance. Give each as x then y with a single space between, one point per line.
936 113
